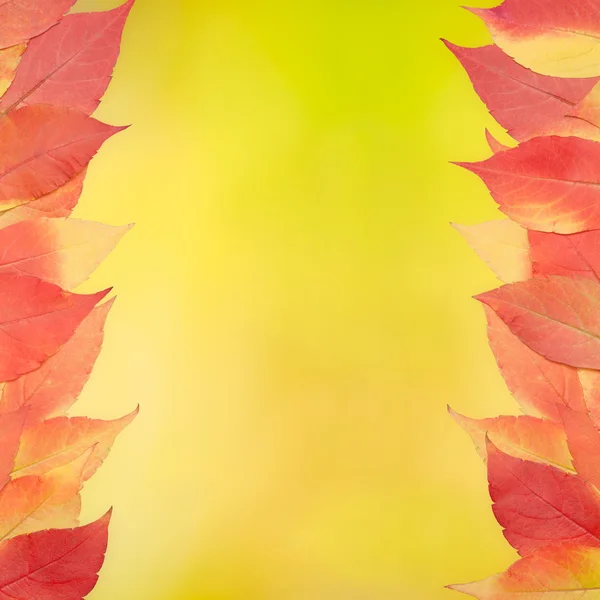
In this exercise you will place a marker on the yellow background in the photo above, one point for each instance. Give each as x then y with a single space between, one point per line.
294 309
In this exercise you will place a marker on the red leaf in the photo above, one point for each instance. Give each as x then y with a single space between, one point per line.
50 390
577 254
547 184
526 104
540 505
539 385
59 203
36 319
557 317
59 564
23 19
71 64
42 148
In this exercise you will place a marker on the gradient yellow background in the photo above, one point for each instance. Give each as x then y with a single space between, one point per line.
294 309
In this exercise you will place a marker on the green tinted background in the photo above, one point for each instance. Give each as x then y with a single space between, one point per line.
294 308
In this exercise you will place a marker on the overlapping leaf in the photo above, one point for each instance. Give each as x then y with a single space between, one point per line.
54 69
541 83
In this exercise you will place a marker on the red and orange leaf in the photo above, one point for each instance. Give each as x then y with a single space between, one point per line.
53 388
60 564
577 254
547 183
36 319
42 147
560 38
525 437
526 104
556 317
61 251
494 144
584 443
538 505
59 203
559 572
49 501
502 245
53 443
11 428
24 19
9 61
590 384
71 64
538 385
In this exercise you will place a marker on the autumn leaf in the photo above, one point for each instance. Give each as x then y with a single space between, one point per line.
538 505
53 388
70 64
538 384
48 501
503 246
42 147
562 571
526 104
568 255
555 317
584 443
552 37
54 442
59 203
547 183
525 437
10 59
24 19
61 251
590 385
59 564
11 429
494 144
36 319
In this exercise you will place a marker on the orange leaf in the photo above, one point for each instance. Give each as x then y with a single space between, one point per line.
51 500
556 317
54 387
36 319
560 572
23 19
42 147
55 442
584 443
53 565
61 251
11 428
502 245
9 61
70 64
538 384
59 203
523 437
